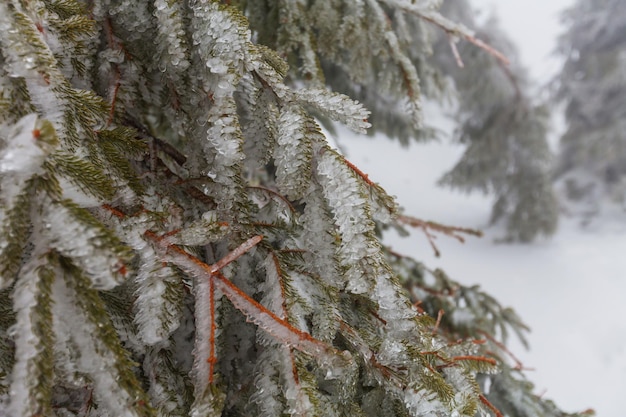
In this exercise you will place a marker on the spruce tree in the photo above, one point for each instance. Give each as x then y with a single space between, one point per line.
504 130
592 157
178 239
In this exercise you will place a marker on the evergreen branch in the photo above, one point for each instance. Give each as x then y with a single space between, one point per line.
14 227
378 196
86 175
369 356
77 234
299 401
33 370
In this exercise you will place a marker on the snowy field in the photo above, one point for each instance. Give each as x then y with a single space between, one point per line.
571 289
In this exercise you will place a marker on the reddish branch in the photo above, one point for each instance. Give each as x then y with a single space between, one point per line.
518 364
212 359
490 406
448 362
114 211
274 193
113 44
490 361
455 51
427 226
360 173
270 322
440 314
276 263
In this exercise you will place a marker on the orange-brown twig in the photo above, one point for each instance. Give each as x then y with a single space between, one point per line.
440 314
427 226
518 363
452 41
118 75
274 193
212 359
360 173
270 322
490 361
490 406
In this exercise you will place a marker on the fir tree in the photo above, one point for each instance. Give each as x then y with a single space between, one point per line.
505 132
178 239
592 158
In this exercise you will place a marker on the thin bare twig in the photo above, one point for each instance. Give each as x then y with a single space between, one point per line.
452 41
490 406
440 314
518 363
427 226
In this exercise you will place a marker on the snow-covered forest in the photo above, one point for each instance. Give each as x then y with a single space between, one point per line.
194 223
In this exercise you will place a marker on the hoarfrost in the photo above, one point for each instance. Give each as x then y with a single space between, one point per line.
29 347
204 317
22 158
83 243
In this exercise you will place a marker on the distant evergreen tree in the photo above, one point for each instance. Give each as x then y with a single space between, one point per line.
592 157
178 239
504 130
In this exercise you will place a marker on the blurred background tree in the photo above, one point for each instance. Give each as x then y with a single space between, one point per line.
504 129
591 166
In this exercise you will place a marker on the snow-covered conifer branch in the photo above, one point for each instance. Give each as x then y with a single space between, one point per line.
336 106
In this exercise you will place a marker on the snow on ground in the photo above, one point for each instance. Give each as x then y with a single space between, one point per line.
569 289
